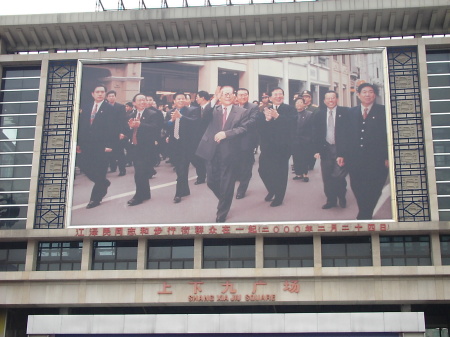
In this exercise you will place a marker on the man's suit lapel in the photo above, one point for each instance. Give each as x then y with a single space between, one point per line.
230 118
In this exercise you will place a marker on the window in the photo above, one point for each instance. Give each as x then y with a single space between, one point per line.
445 249
229 253
405 250
12 256
18 107
114 255
346 251
288 252
59 255
170 254
438 65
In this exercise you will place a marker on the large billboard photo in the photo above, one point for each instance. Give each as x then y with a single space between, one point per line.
250 140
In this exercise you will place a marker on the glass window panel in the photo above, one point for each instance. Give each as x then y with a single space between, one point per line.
121 266
443 188
183 252
444 202
327 262
440 120
441 147
25 120
22 72
189 264
16 159
441 93
18 108
15 172
439 81
441 133
26 83
438 56
159 253
443 174
444 215
222 264
16 146
19 133
126 253
301 250
295 263
13 224
441 106
439 68
152 265
282 263
19 96
242 251
308 263
249 264
236 264
211 252
177 265
269 264
15 185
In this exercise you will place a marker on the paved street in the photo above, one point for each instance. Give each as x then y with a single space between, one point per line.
303 202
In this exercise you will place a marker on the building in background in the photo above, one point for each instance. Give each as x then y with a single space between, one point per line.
266 275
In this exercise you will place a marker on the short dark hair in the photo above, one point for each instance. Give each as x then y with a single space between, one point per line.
95 86
204 94
140 93
277 88
244 89
364 85
298 98
332 92
111 92
129 104
178 94
227 85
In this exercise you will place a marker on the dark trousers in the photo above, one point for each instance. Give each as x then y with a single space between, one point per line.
334 187
181 161
200 167
95 166
302 158
273 170
245 167
221 178
142 160
367 186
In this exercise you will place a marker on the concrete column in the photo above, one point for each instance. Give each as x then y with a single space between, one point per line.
86 260
141 254
317 243
208 77
259 252
285 80
198 253
30 260
436 258
376 252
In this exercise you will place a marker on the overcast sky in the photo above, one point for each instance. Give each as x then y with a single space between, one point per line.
16 7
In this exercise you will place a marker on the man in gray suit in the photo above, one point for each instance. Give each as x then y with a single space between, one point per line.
220 146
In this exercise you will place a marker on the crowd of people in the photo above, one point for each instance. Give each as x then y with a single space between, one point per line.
219 135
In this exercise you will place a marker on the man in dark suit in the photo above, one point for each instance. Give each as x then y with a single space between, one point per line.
96 136
330 132
249 141
145 125
220 147
118 158
182 128
203 100
276 127
367 157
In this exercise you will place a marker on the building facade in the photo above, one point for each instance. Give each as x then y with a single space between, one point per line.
68 270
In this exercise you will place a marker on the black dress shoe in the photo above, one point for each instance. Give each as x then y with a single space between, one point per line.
92 204
305 179
297 178
240 195
199 182
134 202
122 173
275 203
221 219
176 200
269 197
342 202
328 205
